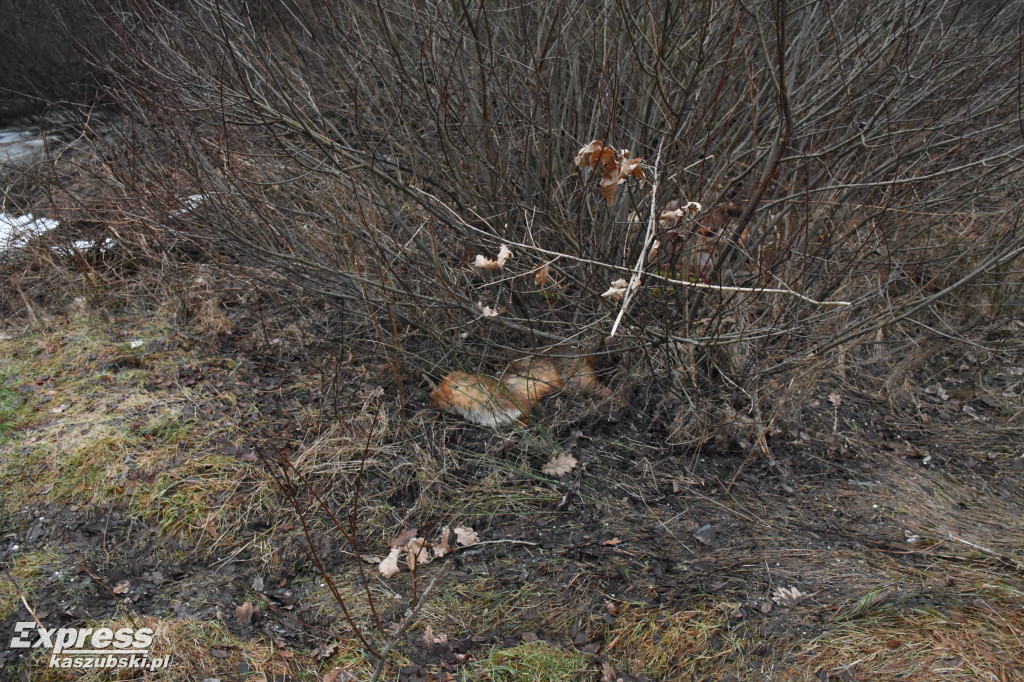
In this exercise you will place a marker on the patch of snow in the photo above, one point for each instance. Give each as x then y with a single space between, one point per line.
16 231
190 203
22 146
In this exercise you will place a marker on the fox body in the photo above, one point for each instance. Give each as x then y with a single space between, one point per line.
492 402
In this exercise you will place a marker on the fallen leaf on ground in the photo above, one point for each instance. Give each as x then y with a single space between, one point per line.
789 596
325 651
560 465
247 613
389 566
430 639
441 548
122 587
464 535
403 538
418 553
339 675
835 399
611 543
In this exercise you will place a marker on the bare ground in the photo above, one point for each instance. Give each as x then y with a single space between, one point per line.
880 539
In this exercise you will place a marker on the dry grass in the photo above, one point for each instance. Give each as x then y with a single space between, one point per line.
912 568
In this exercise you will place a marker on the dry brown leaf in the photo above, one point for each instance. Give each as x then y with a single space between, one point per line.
541 275
616 166
560 465
418 553
611 543
441 548
681 212
389 566
247 613
122 587
324 651
654 251
617 174
618 289
585 156
339 675
498 263
464 535
789 596
403 538
430 640
488 311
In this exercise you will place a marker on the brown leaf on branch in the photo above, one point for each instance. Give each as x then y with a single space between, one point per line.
485 263
541 275
616 166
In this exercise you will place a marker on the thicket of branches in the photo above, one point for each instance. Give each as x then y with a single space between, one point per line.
854 151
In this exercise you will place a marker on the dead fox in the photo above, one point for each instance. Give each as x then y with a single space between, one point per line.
492 402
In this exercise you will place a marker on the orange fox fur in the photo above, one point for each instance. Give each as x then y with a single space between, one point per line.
484 400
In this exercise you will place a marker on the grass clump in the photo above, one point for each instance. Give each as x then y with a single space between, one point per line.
535 662
24 575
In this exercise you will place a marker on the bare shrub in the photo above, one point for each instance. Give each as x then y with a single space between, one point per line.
857 152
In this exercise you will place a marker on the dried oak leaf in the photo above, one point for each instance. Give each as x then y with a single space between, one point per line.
789 596
617 175
430 640
616 166
339 675
541 275
488 311
681 212
560 465
441 548
247 613
324 651
653 253
464 535
389 566
619 287
485 263
419 553
403 538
